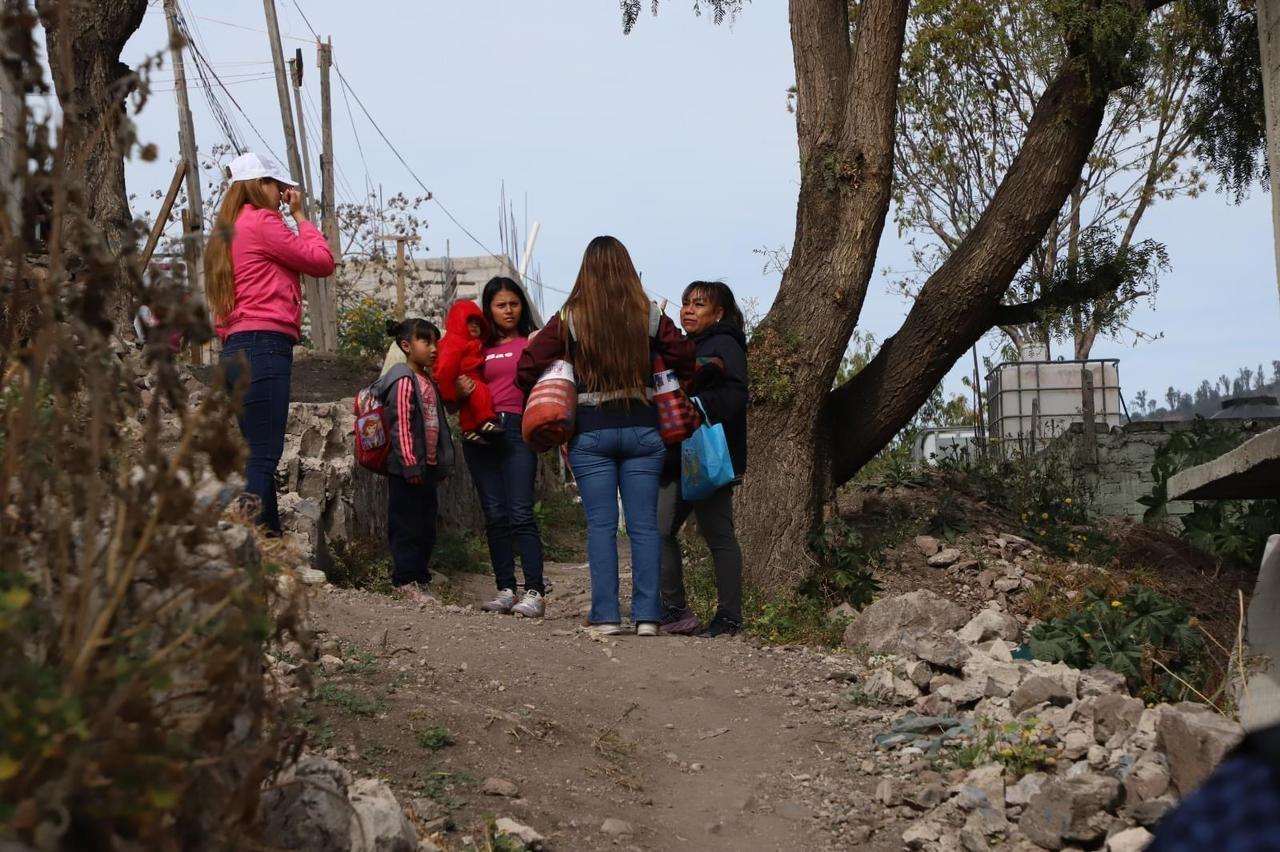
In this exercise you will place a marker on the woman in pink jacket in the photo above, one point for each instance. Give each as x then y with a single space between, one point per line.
252 268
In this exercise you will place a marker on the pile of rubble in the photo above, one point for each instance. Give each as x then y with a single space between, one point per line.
1054 757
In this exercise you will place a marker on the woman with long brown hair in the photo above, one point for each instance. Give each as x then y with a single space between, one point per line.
252 268
612 333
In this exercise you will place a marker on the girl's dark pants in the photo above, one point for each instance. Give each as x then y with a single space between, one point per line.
411 527
265 361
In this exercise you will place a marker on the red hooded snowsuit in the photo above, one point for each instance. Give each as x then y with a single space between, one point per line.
463 355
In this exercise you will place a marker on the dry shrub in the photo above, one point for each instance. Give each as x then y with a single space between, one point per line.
134 712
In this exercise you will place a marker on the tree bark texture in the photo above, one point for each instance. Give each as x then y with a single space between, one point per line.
845 106
85 40
804 438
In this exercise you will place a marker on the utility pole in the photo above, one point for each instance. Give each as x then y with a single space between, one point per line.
193 223
282 91
295 71
328 207
400 239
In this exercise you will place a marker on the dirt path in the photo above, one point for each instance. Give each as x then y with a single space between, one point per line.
695 744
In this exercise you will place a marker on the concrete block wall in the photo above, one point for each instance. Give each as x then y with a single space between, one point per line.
1126 454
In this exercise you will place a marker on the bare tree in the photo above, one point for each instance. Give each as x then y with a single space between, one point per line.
805 437
85 40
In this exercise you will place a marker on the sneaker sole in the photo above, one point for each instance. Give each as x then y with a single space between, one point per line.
523 614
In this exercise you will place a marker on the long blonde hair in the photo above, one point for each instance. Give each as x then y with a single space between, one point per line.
219 278
610 315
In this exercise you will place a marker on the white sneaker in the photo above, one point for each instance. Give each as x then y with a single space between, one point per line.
533 605
603 629
647 628
503 602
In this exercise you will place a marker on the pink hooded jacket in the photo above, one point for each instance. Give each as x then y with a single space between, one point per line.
266 261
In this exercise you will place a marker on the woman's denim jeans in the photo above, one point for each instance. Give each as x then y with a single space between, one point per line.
504 472
267 356
604 462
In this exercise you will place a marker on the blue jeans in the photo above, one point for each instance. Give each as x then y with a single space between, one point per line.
604 462
264 413
504 474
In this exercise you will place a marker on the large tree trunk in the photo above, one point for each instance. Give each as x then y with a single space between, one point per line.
85 39
804 439
845 107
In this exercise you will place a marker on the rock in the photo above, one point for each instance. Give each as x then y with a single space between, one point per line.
616 827
1027 786
918 672
1063 812
982 825
1099 681
1130 840
926 796
1039 689
499 787
990 624
894 625
307 809
1075 744
1195 738
889 793
927 544
983 788
844 612
884 685
524 833
934 705
1114 714
997 649
945 558
965 565
312 577
921 833
380 824
1007 584
330 664
994 678
425 845
1150 813
1147 779
944 651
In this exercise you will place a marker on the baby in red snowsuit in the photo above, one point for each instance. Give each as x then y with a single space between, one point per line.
462 354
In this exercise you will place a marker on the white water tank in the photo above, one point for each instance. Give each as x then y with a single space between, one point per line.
1032 401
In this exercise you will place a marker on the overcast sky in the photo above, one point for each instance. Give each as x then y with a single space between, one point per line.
675 139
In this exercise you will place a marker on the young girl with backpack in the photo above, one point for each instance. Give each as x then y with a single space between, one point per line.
421 455
605 329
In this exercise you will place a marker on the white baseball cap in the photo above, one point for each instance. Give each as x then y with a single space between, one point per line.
251 166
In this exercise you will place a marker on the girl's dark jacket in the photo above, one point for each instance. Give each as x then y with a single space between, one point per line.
722 392
418 429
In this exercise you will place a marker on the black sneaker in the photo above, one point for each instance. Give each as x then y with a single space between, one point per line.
720 626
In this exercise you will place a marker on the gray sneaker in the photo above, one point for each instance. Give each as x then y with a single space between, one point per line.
533 605
503 602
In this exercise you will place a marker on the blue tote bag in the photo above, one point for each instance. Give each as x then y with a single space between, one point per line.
705 464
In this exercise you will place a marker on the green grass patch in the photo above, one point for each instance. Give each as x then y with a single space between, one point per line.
359 564
435 738
461 550
563 525
349 702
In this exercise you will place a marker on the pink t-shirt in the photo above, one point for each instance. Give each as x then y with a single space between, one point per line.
499 374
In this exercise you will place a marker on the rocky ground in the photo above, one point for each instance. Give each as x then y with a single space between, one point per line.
923 733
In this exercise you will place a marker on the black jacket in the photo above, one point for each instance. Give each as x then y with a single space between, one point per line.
725 396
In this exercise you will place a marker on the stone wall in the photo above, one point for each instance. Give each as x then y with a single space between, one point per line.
326 497
1122 473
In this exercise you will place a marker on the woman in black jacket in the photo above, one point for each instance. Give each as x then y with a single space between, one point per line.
710 315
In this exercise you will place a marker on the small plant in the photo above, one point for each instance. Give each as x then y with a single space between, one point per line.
349 702
359 564
461 550
1151 640
840 549
362 331
435 738
438 787
947 520
1021 747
